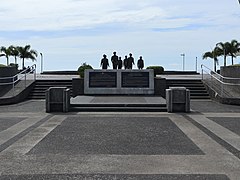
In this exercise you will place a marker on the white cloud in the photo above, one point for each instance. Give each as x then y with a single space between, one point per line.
67 14
185 26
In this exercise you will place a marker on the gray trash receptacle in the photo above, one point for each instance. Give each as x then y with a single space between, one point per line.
178 99
57 99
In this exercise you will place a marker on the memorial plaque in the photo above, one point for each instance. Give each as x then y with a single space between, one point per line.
118 81
135 79
102 79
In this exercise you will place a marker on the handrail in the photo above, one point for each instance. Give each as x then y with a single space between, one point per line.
219 75
22 75
221 84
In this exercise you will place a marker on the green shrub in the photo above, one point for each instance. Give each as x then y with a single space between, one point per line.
13 65
236 65
82 68
2 65
156 69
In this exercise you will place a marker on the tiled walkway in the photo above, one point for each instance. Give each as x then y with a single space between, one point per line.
203 144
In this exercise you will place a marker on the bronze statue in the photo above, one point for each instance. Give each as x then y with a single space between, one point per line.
125 62
114 60
130 61
140 63
104 62
120 63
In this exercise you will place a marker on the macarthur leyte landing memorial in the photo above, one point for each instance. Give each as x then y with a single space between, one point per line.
119 82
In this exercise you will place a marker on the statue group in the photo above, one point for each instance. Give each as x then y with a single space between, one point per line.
118 63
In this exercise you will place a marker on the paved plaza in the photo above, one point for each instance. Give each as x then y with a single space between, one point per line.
201 145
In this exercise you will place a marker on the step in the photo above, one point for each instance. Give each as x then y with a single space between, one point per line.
52 85
41 86
185 85
200 97
197 91
186 82
36 97
119 109
183 80
45 88
118 105
54 80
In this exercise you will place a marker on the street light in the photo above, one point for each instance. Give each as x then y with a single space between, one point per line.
183 55
196 64
41 62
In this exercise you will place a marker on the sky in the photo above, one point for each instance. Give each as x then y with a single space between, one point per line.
71 32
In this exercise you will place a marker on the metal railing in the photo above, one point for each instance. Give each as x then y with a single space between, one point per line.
225 87
11 86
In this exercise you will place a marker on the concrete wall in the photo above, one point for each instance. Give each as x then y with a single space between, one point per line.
77 87
160 86
19 97
215 96
230 71
7 72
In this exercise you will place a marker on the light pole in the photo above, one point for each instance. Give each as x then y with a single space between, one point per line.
196 64
183 55
41 62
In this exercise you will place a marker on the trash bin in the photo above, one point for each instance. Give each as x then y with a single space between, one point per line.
57 99
178 99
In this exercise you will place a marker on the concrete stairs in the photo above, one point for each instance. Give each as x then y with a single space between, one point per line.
196 87
41 86
119 107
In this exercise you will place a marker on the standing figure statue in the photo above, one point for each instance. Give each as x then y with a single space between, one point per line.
130 61
120 63
104 62
125 62
114 60
140 63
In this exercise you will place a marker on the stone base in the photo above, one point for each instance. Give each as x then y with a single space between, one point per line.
57 99
178 99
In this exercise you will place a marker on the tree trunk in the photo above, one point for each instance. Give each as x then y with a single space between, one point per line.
23 63
215 66
7 61
232 60
225 60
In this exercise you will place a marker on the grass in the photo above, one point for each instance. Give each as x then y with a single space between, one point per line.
235 65
2 65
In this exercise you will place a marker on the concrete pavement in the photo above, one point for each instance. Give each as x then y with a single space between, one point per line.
203 144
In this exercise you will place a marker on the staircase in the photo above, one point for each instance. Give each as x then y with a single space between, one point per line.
41 86
196 87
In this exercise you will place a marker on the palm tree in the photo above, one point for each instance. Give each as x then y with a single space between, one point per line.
213 55
234 49
14 52
5 52
225 50
27 53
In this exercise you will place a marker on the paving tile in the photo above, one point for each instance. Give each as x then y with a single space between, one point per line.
123 136
231 123
6 122
115 177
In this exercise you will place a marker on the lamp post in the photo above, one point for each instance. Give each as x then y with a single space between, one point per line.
196 64
41 62
183 55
